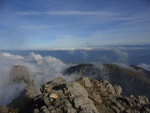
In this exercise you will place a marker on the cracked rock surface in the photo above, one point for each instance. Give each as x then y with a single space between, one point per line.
88 96
84 95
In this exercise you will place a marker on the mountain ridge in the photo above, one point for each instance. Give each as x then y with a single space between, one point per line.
94 91
129 78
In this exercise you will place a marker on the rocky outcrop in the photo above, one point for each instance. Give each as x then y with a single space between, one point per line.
133 80
24 102
87 96
84 95
71 98
4 109
19 74
108 98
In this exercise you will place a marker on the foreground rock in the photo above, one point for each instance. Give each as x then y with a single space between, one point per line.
87 96
81 96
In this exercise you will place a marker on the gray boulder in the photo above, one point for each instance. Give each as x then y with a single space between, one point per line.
87 96
81 96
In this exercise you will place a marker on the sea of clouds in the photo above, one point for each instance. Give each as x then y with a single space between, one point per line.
41 69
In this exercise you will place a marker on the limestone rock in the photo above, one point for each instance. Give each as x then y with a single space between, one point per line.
30 90
4 109
19 74
89 96
85 81
24 101
72 97
81 96
118 89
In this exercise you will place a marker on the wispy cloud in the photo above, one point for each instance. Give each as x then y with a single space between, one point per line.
67 13
35 27
79 13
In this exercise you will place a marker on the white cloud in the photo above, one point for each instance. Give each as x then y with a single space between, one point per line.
98 13
11 56
41 69
145 66
122 55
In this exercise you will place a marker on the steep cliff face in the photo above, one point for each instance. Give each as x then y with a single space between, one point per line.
133 80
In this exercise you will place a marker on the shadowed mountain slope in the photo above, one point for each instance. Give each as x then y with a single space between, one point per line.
133 79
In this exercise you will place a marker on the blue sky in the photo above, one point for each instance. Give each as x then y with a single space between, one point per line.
45 24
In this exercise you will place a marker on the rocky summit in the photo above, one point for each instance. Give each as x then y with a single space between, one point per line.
84 95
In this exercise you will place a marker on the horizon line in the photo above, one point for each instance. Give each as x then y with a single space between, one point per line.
108 47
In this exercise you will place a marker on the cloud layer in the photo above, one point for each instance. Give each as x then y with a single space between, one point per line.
41 69
45 68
